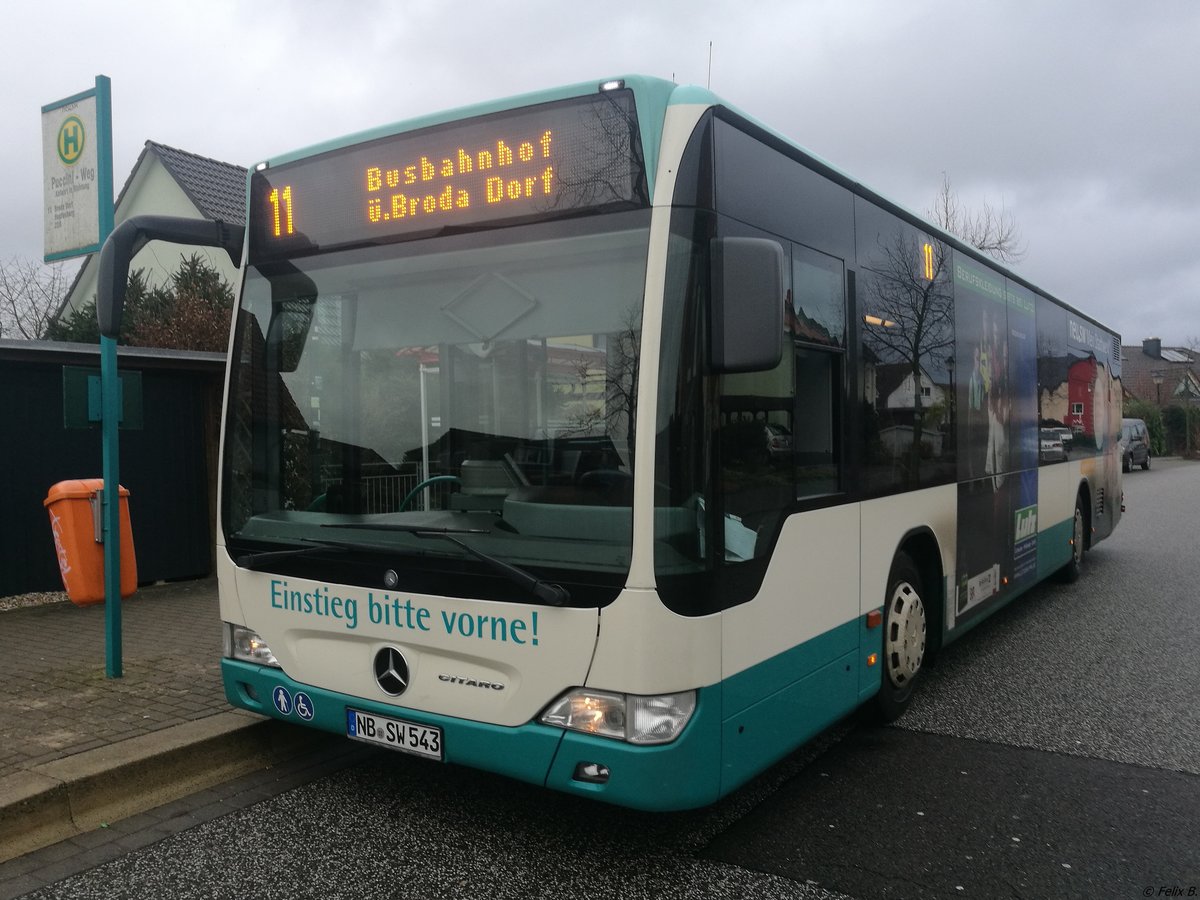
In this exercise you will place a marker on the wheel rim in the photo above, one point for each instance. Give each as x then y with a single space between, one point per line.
905 643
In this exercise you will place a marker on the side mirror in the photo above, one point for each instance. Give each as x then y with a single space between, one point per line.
746 326
293 301
288 331
131 236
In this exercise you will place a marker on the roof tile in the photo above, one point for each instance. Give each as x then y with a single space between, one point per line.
217 188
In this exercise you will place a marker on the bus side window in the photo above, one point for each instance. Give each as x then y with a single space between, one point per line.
816 319
905 308
755 453
814 442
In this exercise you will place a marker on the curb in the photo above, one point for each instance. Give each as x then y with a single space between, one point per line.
59 799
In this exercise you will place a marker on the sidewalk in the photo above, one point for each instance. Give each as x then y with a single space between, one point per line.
78 750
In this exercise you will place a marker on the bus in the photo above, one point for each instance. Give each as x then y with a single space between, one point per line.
607 439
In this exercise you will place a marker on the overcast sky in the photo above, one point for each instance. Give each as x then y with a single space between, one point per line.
1080 117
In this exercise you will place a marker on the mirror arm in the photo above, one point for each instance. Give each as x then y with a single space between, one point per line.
132 235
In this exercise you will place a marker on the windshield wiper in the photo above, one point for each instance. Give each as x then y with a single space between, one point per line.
547 591
406 529
315 545
253 560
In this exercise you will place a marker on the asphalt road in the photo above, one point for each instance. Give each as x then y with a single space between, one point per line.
1053 752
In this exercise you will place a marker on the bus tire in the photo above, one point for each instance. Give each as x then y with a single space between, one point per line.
905 623
1069 573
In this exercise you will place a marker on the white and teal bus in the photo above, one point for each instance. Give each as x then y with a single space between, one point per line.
608 440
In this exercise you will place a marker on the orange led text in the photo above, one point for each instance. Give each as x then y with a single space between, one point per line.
496 174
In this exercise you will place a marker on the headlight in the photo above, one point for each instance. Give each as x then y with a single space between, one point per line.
656 719
246 645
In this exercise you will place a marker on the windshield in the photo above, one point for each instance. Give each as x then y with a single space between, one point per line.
482 382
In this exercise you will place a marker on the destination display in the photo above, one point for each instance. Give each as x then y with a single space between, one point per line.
547 160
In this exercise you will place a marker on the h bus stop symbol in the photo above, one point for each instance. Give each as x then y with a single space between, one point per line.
71 139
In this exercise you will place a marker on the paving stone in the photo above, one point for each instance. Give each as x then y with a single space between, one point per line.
59 701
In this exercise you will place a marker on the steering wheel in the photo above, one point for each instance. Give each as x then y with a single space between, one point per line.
435 479
604 479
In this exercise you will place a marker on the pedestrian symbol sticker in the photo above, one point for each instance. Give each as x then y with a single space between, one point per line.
304 707
283 700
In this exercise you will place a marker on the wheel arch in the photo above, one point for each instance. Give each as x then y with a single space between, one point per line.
1085 499
922 547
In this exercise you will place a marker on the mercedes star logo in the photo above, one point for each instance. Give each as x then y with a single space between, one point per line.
391 671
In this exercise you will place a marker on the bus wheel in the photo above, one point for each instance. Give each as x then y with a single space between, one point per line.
904 638
1070 572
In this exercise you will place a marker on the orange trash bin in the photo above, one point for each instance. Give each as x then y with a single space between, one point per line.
75 521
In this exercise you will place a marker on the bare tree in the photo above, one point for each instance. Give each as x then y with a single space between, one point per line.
912 318
615 416
989 230
30 295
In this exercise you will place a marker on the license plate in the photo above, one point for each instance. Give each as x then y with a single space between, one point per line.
409 737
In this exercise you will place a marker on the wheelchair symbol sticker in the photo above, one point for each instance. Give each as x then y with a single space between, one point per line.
304 706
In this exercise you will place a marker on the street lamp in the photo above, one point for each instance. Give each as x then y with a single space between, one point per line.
1188 395
1158 383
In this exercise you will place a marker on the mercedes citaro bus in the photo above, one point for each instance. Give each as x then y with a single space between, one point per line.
498 486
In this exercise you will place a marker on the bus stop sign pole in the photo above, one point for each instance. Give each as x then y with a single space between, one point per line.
109 410
77 164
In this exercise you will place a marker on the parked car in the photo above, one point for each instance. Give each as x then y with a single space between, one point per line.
779 443
1135 444
1068 437
1050 446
